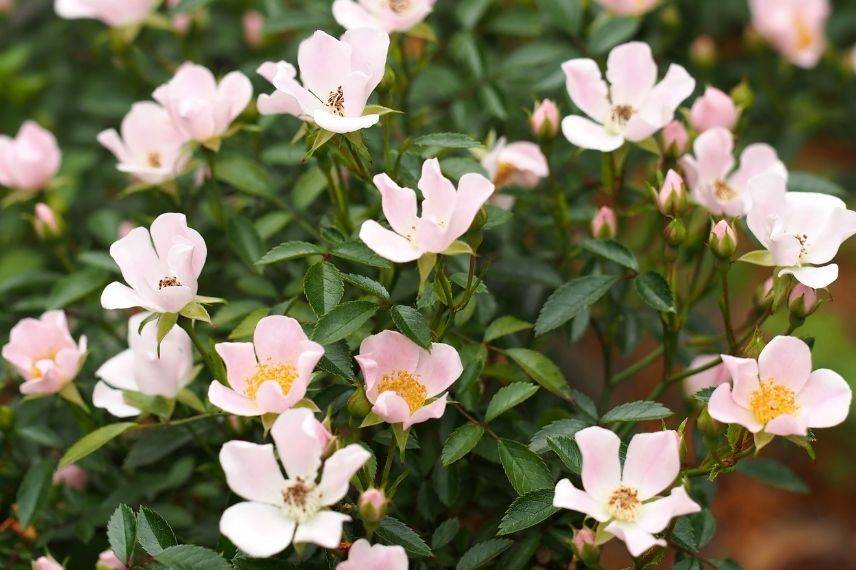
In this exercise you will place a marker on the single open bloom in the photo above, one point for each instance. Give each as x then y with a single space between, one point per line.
338 77
794 27
709 172
516 164
633 107
713 109
200 108
150 147
364 556
629 7
30 160
709 378
139 368
802 230
778 393
387 15
625 498
270 374
44 353
404 382
115 13
161 267
446 213
281 510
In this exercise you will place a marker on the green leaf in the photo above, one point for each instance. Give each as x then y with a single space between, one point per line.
157 405
458 248
608 31
774 474
73 288
248 324
393 531
245 175
245 239
337 360
482 553
542 370
367 285
447 140
808 182
655 291
165 323
567 451
760 257
525 471
191 557
93 441
704 394
196 312
290 250
567 427
33 490
504 326
308 187
152 445
570 299
567 15
153 532
412 324
358 252
323 287
460 442
508 397
122 533
612 251
639 411
342 321
527 511
444 533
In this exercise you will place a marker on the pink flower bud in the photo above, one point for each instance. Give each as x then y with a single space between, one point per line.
672 199
71 476
723 240
802 301
703 50
372 505
46 563
585 546
6 5
604 224
545 119
254 23
764 294
124 229
583 537
30 160
108 560
45 221
675 138
713 109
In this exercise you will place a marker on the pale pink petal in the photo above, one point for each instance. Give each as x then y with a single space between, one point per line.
385 352
601 472
257 529
105 397
271 400
240 361
631 72
336 124
252 471
744 375
710 378
825 399
786 425
388 244
119 371
587 88
432 411
714 154
279 339
171 229
814 277
350 15
754 160
569 497
364 556
323 61
652 462
637 539
723 408
230 401
439 368
785 360
399 204
300 440
369 49
655 516
660 105
473 191
324 529
234 93
338 471
391 407
587 134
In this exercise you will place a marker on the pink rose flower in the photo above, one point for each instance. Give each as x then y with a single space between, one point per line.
44 353
794 27
633 107
362 556
544 121
338 78
404 382
270 374
778 393
30 160
713 109
112 12
675 137
604 224
71 476
253 23
710 173
516 164
141 368
629 7
46 563
108 560
161 266
709 378
621 496
447 214
150 148
802 230
388 16
281 510
200 108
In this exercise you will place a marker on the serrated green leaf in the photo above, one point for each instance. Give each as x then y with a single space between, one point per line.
525 471
342 321
446 140
639 411
570 299
358 252
412 324
541 369
567 427
444 533
244 175
704 394
323 287
290 250
612 251
191 557
367 285
567 451
393 531
153 533
460 442
504 326
608 31
122 532
482 553
93 441
33 490
528 510
508 397
655 291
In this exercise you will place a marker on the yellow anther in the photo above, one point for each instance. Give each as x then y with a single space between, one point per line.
772 400
283 374
405 385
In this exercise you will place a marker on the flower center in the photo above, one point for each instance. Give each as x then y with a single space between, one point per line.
283 374
154 159
42 363
336 101
803 239
301 501
406 385
169 282
804 35
399 6
623 504
619 116
772 400
723 191
504 173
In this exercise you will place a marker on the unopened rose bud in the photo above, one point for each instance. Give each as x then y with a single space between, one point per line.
672 198
723 240
675 232
703 51
713 109
254 23
372 505
71 476
604 224
108 560
46 223
545 119
585 546
742 95
803 301
358 405
763 298
675 138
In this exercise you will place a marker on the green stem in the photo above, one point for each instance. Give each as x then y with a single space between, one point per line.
210 364
725 309
641 364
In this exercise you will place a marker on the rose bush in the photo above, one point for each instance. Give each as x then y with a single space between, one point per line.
387 312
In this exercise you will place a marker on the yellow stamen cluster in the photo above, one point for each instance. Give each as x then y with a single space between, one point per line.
772 400
406 385
723 191
399 6
283 374
805 38
154 159
504 172
624 503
